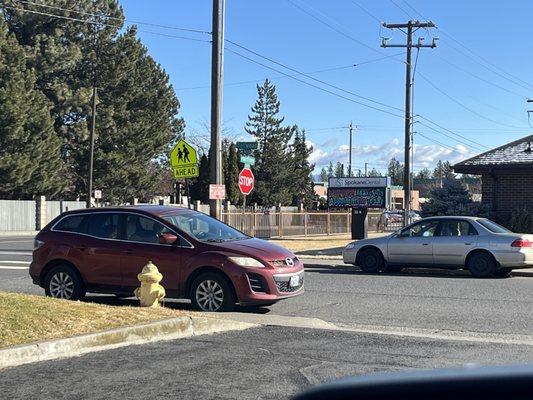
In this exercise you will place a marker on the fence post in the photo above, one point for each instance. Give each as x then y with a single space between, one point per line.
40 212
280 224
305 223
328 224
348 222
254 214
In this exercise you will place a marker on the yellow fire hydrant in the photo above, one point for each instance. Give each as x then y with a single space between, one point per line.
150 291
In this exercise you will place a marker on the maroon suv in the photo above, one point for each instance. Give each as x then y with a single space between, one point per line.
101 250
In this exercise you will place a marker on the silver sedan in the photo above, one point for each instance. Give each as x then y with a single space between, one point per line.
480 245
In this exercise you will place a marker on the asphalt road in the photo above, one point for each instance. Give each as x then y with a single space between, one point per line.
391 322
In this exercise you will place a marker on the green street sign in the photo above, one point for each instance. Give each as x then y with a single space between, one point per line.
247 148
248 160
184 160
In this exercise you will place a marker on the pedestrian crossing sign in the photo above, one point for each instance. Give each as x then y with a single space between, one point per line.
184 160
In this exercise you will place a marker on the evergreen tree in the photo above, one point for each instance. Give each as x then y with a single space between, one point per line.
233 193
301 185
451 199
395 171
339 170
331 171
374 173
323 175
29 148
200 186
423 175
272 158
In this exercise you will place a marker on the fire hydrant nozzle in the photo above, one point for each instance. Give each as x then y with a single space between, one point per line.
150 291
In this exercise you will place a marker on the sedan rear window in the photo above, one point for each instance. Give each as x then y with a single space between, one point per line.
492 226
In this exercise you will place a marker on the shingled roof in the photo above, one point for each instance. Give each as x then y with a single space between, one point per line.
517 154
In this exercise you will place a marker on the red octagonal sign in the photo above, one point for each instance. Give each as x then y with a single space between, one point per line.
246 181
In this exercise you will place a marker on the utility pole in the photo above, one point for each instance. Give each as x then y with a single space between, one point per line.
88 202
411 26
350 156
366 169
529 112
217 54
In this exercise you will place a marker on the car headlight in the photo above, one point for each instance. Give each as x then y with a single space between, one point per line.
246 262
350 246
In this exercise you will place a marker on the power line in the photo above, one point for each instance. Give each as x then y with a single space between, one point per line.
400 8
461 104
281 77
465 141
115 18
312 78
436 141
365 10
312 85
101 23
340 32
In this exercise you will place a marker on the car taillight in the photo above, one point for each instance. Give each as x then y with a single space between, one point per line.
37 244
522 243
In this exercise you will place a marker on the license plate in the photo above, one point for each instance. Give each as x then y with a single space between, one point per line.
294 281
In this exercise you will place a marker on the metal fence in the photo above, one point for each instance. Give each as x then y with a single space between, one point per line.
17 215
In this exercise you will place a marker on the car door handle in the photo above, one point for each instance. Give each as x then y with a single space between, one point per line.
129 251
82 247
425 244
468 244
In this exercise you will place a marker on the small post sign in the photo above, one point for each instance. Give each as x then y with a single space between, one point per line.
97 194
248 161
247 148
217 192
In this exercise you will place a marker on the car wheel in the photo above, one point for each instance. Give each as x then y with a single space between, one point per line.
502 273
393 268
370 260
64 282
211 292
482 265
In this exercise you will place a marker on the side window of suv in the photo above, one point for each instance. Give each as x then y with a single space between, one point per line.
145 230
103 225
74 223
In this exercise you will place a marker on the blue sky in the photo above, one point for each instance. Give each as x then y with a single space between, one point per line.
474 84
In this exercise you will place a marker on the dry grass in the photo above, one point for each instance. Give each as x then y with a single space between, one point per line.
317 242
27 318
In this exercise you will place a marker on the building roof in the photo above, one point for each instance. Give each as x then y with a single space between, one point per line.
517 154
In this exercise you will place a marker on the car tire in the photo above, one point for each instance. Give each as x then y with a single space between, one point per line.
212 292
502 273
64 282
370 261
482 265
393 269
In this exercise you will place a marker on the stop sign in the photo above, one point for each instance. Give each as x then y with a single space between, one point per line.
246 181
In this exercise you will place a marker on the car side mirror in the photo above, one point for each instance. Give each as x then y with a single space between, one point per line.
167 238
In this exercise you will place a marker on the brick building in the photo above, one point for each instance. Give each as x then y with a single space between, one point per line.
506 175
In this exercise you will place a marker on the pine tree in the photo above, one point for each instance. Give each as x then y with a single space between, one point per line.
331 171
339 170
423 175
29 149
199 188
323 175
451 199
374 173
272 157
395 171
302 187
233 193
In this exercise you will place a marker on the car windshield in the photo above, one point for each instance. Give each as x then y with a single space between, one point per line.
493 226
204 228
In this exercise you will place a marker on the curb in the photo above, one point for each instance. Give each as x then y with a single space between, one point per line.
18 233
167 329
318 257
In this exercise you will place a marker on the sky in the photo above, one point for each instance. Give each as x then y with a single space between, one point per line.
470 91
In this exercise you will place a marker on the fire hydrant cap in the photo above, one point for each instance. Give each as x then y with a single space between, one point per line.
150 273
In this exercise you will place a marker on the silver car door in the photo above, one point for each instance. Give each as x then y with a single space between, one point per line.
455 238
413 245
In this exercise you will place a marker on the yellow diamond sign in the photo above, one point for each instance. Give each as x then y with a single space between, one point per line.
184 160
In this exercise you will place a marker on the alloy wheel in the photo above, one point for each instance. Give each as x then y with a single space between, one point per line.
62 286
209 295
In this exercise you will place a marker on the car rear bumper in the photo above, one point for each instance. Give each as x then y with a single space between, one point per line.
514 259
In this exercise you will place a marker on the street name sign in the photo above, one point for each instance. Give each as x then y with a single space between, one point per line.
248 160
97 194
247 148
184 160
